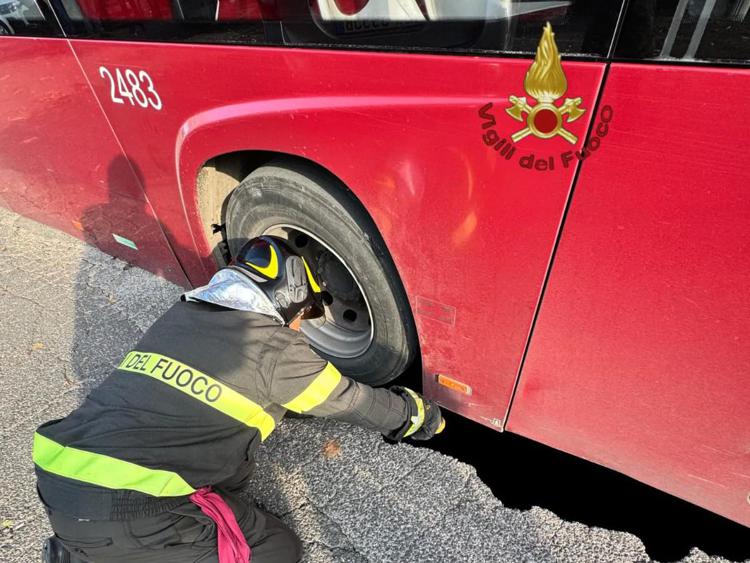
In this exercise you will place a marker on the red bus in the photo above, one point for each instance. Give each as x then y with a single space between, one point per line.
553 218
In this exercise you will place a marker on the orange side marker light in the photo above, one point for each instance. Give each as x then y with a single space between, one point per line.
452 384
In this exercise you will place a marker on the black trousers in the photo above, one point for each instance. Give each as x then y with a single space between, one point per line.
181 535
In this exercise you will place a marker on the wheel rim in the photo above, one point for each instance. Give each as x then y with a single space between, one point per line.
346 329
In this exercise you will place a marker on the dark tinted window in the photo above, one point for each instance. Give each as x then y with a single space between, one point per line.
686 30
26 17
582 27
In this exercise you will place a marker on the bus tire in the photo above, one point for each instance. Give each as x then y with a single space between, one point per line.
300 195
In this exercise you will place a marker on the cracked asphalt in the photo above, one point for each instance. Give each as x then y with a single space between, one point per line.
68 318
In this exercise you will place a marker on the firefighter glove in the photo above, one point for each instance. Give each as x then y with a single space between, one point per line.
424 418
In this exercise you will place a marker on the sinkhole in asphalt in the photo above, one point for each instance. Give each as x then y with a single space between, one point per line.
522 473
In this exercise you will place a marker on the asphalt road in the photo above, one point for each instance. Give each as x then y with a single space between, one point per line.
68 314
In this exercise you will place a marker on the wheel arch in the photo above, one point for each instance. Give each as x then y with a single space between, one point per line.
219 176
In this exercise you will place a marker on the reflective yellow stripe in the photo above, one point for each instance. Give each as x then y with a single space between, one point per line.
313 284
317 392
441 427
416 421
105 471
200 386
272 269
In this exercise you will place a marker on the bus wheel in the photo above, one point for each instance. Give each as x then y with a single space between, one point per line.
368 330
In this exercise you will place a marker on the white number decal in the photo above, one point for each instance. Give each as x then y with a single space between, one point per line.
138 94
122 88
156 102
104 72
131 87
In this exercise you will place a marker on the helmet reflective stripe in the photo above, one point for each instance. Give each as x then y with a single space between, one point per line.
201 387
106 471
271 270
317 392
311 280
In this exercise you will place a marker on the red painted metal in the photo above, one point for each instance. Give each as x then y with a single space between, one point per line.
60 162
637 358
406 140
640 357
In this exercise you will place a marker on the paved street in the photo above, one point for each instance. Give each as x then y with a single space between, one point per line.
66 320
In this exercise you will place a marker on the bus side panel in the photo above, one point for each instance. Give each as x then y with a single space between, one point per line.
470 231
641 354
59 160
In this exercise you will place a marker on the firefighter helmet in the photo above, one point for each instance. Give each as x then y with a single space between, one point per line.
284 277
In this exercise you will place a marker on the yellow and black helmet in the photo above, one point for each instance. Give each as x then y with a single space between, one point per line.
282 275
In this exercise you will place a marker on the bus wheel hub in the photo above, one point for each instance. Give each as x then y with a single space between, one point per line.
334 276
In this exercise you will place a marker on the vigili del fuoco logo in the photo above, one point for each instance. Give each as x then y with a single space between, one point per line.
543 116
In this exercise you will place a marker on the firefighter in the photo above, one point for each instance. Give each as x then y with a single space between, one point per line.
149 467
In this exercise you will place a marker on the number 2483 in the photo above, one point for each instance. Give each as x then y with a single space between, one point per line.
137 88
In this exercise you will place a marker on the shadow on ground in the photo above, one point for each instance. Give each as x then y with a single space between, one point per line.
523 473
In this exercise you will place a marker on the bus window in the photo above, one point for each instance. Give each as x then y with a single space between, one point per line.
132 10
486 25
583 27
433 10
234 10
686 30
25 17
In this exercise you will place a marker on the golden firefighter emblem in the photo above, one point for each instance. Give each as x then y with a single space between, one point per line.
545 82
